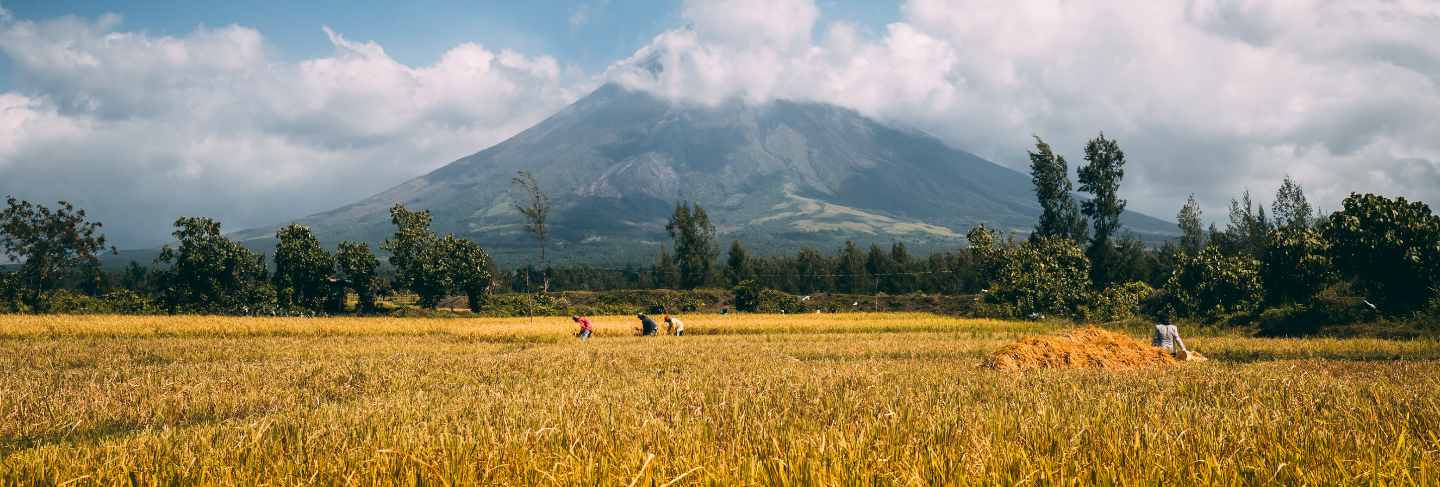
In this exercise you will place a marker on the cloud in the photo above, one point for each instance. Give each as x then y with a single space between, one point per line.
140 129
1207 96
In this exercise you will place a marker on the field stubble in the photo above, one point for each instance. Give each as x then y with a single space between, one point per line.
747 399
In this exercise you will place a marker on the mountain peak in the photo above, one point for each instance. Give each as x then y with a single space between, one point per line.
777 175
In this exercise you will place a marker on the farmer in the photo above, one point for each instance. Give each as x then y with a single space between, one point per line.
647 325
1167 336
674 326
584 327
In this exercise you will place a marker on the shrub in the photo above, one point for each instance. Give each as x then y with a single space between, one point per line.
772 301
747 296
1118 302
1212 284
1048 275
123 301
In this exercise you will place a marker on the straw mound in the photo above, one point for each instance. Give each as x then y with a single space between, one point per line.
1085 348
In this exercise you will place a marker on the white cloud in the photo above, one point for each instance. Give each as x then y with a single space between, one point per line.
142 128
1208 96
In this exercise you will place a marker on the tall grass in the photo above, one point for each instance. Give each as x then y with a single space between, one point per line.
749 399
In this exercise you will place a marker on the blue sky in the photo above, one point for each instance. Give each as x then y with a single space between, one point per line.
590 34
250 112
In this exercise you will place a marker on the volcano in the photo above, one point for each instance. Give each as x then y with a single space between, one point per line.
777 176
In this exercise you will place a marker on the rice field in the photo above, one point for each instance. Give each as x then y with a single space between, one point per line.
743 400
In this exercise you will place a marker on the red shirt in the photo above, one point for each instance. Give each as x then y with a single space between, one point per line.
584 324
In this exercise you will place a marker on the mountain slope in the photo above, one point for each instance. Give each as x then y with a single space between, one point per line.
777 176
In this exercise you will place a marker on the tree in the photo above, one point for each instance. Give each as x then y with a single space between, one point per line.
469 268
850 270
1058 216
1389 249
417 255
1192 234
1248 228
1291 209
1047 275
900 259
535 206
1101 176
135 277
1212 284
695 251
206 272
358 266
48 244
812 271
988 253
10 291
302 268
737 264
1295 265
880 268
667 275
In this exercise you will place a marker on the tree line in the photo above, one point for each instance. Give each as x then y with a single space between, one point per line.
1078 261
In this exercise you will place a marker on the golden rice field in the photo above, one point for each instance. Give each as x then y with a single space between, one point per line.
745 400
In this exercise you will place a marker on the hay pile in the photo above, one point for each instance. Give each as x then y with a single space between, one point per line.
1085 348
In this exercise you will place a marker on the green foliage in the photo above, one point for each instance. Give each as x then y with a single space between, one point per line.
988 253
772 301
1291 209
1248 231
812 270
1192 234
469 268
418 257
358 265
747 296
1295 265
49 244
302 269
208 273
695 250
1048 275
667 274
123 301
1100 176
737 264
1212 284
1118 302
1389 248
1059 216
850 270
10 292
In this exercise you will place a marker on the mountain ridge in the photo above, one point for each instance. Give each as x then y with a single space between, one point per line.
776 175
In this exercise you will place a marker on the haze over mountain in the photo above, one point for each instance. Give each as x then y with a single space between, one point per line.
776 175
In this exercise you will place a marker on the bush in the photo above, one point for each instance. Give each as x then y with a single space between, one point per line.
747 296
772 301
1048 276
1211 284
526 304
1118 302
123 301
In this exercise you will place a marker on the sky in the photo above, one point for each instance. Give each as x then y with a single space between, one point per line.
258 112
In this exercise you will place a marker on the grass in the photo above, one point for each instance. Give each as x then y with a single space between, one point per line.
747 399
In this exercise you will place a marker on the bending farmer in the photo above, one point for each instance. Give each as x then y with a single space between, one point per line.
647 325
584 327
